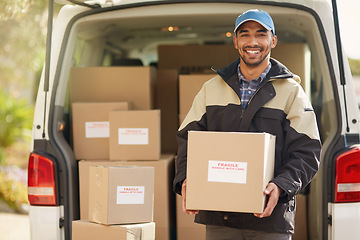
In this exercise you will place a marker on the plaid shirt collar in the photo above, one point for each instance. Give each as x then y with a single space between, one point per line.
247 89
259 79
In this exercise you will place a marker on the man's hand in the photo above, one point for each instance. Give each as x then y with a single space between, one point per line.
274 192
183 195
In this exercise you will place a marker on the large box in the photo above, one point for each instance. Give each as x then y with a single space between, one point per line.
135 135
189 86
91 131
186 228
114 84
196 58
228 171
119 195
164 209
167 100
300 65
82 229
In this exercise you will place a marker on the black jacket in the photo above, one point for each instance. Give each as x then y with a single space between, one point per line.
279 107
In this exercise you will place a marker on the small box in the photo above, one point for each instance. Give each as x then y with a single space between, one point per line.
228 171
91 128
121 195
135 135
82 229
164 210
114 84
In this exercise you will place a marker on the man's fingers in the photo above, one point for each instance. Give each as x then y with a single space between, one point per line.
183 200
273 192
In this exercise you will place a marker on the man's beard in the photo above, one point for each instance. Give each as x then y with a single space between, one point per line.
253 64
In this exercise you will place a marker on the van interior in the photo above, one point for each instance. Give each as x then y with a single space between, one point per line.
162 36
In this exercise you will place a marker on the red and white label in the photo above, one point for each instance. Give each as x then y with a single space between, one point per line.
97 130
227 172
130 195
133 136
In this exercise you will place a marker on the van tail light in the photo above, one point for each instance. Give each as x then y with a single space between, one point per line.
347 178
41 180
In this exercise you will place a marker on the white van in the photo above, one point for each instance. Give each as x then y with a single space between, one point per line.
109 33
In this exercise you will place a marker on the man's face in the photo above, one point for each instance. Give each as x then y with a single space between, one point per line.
254 43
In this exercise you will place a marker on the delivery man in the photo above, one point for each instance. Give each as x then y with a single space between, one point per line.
256 94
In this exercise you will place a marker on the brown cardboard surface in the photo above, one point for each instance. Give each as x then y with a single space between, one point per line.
228 171
301 230
114 84
186 228
189 86
135 135
196 58
82 229
167 101
88 142
297 62
119 194
164 202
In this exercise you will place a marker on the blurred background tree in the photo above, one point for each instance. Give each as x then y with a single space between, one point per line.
354 66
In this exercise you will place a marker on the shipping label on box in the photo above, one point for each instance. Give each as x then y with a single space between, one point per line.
97 129
130 195
119 195
239 166
133 136
227 172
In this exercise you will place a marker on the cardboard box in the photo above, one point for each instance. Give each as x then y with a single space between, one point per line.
189 86
135 135
119 195
90 122
82 229
298 61
228 171
167 101
114 84
196 58
186 228
301 230
164 197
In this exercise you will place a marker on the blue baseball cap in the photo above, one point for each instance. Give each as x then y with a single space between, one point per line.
256 15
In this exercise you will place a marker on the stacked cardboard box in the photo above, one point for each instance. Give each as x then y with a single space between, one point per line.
133 139
164 215
122 197
82 229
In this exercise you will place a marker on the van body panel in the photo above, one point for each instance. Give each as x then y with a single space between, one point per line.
45 221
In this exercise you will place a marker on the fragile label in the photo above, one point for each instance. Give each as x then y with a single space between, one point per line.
227 172
97 130
130 195
133 136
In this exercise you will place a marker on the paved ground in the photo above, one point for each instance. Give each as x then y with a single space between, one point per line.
13 226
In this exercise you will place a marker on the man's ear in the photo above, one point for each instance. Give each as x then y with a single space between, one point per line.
274 41
235 42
